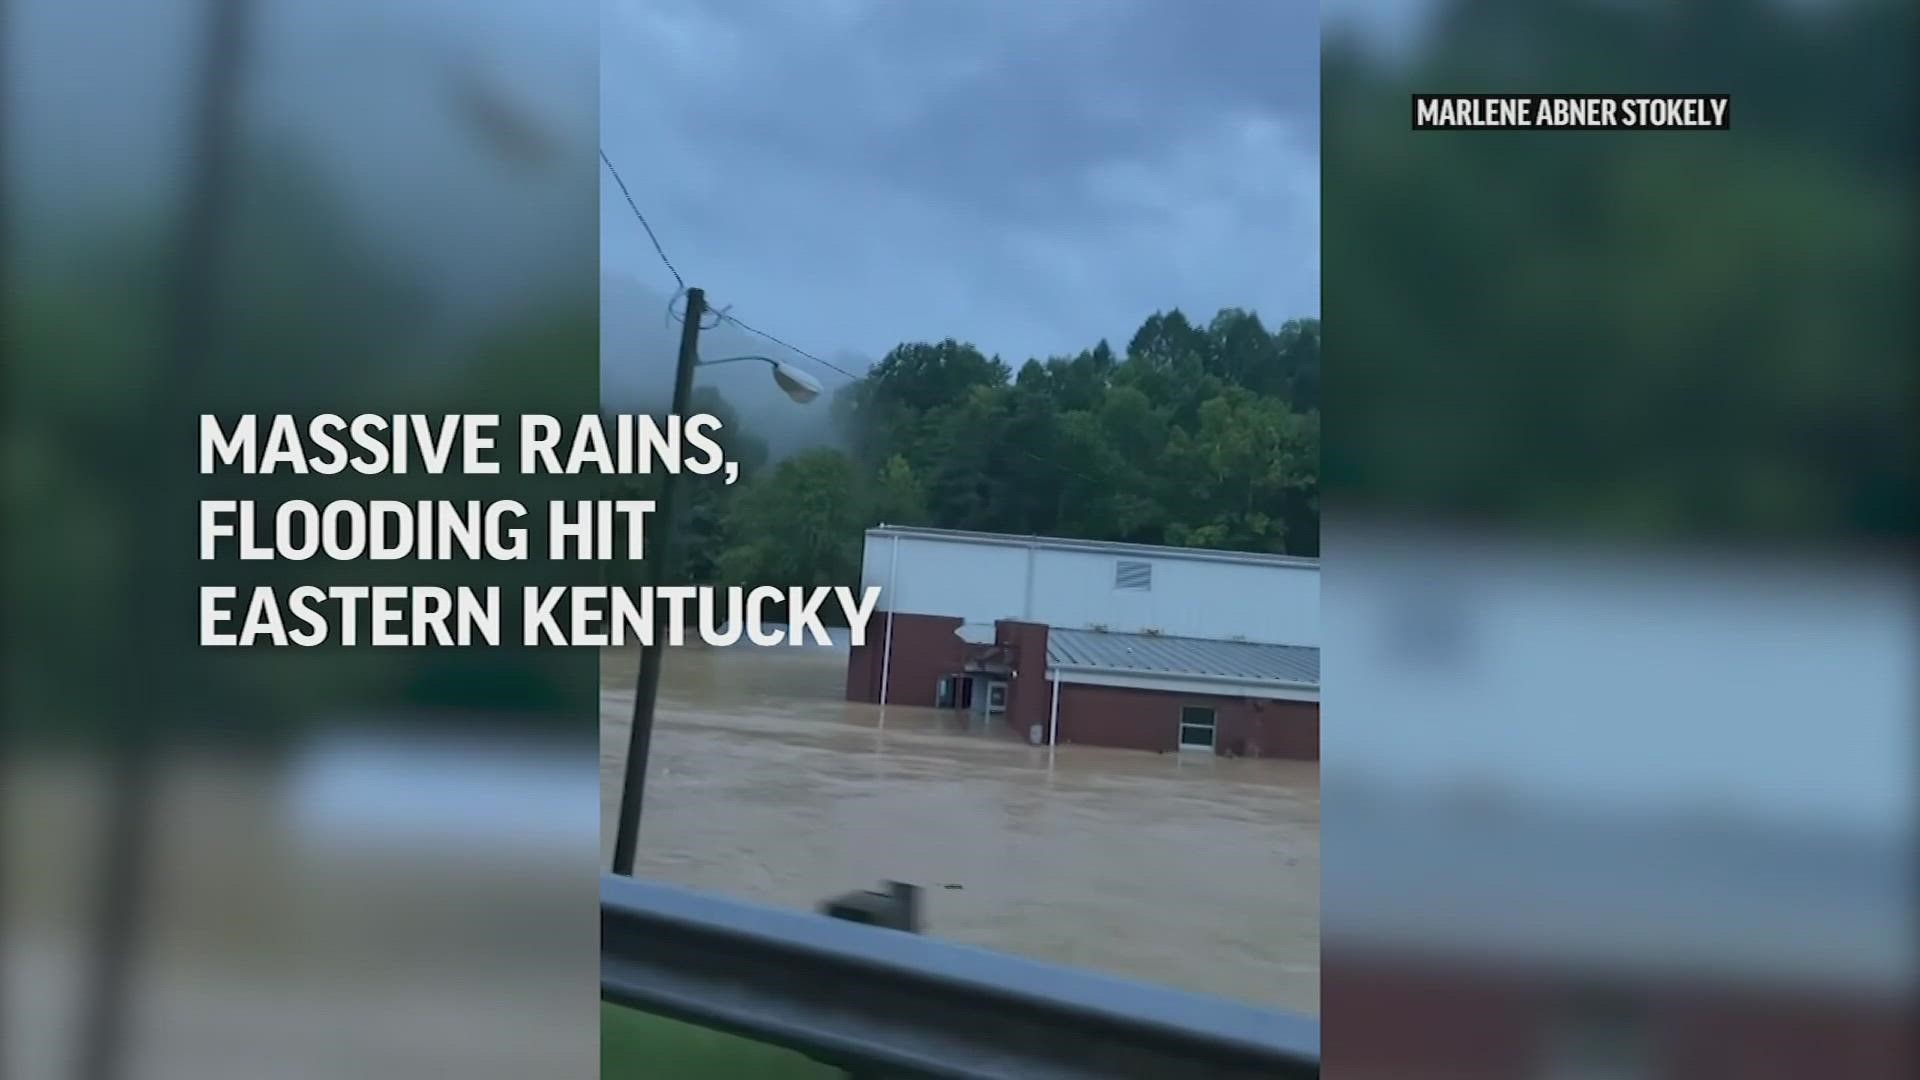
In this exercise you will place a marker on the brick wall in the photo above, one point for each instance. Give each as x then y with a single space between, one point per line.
1029 695
1150 720
1389 1016
925 648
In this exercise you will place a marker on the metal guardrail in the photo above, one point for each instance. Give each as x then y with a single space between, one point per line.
880 1002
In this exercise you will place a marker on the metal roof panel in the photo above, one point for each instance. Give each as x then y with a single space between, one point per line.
1200 658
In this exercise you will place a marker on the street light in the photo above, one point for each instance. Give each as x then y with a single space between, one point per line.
797 384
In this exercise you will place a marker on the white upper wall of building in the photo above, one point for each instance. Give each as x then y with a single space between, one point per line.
1184 592
1713 685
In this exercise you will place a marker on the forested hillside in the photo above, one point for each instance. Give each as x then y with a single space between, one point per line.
1646 337
1197 435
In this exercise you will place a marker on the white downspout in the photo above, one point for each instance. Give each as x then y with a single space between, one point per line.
1026 608
1053 717
886 650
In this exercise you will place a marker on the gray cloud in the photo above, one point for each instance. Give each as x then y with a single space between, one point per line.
1031 175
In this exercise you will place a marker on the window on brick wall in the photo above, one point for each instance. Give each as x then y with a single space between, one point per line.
1196 727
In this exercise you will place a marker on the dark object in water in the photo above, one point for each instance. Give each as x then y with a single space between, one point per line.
952 885
896 909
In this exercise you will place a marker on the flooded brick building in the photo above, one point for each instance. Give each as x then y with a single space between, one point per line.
1106 644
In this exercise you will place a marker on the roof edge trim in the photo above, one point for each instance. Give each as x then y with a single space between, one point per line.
1100 547
1077 673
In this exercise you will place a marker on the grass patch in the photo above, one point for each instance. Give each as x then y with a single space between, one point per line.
637 1045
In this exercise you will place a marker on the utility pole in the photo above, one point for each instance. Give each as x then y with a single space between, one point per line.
656 570
152 674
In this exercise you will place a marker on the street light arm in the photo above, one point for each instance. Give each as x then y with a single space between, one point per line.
793 382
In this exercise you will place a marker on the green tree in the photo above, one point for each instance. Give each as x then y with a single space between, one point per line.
968 483
800 524
1201 436
1240 465
1648 338
1298 376
899 497
924 377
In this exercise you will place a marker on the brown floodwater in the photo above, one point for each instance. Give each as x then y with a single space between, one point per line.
766 785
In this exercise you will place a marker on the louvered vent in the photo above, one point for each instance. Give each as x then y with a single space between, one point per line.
1132 575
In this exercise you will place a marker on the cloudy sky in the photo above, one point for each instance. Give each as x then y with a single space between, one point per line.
1031 175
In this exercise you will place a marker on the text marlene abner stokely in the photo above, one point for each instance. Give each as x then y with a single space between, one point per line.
593 530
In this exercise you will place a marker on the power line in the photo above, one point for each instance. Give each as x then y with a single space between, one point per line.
724 314
635 207
725 317
721 314
789 346
678 314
